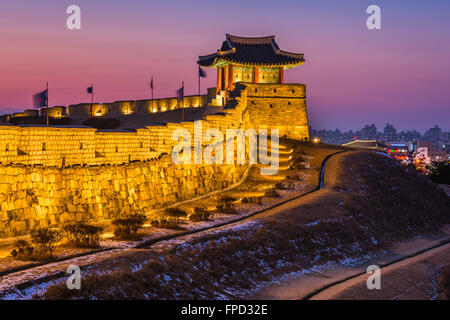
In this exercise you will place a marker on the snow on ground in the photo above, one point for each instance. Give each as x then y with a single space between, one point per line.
9 283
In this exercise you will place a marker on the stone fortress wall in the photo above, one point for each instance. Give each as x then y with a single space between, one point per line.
52 175
281 106
121 108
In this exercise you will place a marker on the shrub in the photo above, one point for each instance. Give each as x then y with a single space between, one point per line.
284 185
298 163
83 235
200 214
24 250
271 193
299 150
440 172
226 205
296 175
172 218
256 200
45 241
127 228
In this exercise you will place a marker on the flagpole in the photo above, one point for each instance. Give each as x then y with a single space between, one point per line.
92 100
47 104
182 101
153 101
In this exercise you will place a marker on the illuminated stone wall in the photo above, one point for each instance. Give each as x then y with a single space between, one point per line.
54 112
26 113
281 106
51 175
36 197
123 108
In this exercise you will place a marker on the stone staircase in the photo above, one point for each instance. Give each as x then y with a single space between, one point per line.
218 101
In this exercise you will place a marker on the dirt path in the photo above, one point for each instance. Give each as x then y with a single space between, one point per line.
332 278
410 279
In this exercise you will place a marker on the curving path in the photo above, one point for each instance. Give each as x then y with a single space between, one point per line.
412 276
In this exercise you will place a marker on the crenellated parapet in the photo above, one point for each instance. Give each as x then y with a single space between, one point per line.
257 106
57 174
133 107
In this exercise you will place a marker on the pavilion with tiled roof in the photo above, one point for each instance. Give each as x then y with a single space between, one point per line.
367 144
254 60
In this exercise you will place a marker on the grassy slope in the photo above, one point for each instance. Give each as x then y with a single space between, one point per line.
369 203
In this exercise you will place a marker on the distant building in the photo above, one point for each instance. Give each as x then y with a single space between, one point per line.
402 146
421 154
369 132
427 153
426 144
434 135
438 156
389 133
400 150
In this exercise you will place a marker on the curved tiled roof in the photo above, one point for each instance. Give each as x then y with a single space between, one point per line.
261 51
371 144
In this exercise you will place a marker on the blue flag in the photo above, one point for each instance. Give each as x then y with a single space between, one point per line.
40 99
151 84
201 73
90 89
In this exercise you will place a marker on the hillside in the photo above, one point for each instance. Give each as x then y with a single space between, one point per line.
368 204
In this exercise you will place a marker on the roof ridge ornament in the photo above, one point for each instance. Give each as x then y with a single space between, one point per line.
250 40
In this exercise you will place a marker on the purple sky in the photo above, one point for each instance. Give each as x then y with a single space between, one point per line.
354 76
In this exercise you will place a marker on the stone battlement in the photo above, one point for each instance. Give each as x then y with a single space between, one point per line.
52 175
124 108
260 106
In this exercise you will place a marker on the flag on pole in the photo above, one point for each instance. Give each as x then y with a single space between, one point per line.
90 90
40 99
180 92
180 96
201 73
151 84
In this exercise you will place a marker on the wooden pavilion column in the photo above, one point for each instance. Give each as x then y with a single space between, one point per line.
281 77
227 77
219 80
230 77
255 75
